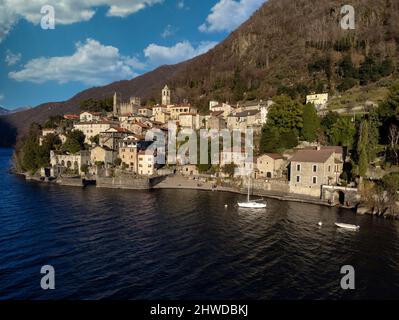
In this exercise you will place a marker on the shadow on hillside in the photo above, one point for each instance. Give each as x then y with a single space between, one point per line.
8 134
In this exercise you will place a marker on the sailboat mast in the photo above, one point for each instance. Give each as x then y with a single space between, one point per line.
249 185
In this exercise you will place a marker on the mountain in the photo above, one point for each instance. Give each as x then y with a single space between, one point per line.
3 111
290 47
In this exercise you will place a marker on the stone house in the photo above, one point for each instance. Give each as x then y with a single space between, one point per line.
310 169
146 112
103 154
128 153
176 110
269 166
216 121
74 162
146 163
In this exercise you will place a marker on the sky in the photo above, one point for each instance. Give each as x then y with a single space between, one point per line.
96 42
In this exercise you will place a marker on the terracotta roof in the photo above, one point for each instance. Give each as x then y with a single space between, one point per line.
314 156
274 156
71 116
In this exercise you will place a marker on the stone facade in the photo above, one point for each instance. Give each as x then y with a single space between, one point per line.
74 162
311 169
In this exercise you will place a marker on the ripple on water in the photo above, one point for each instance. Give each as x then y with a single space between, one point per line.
171 244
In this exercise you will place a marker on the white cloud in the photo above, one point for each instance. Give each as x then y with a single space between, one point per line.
181 4
158 55
12 58
1 97
227 15
92 64
168 32
66 11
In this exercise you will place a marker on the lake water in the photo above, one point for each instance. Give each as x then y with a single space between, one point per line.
170 244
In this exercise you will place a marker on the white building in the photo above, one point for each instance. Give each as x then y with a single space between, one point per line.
319 100
92 129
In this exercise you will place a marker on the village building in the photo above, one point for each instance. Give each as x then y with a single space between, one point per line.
216 121
319 100
125 108
137 128
92 129
243 120
145 112
112 136
90 116
68 163
103 155
177 110
160 114
72 117
225 108
269 166
189 170
146 163
310 169
128 153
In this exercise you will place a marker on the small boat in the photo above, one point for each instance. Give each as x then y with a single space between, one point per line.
347 226
252 204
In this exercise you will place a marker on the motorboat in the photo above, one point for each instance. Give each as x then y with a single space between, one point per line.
347 226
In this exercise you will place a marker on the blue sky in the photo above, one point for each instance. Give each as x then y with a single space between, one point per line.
96 42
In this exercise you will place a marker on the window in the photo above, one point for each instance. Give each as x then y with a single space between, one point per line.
314 168
298 179
314 180
298 167
329 168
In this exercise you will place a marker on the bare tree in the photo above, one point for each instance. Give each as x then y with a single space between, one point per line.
393 137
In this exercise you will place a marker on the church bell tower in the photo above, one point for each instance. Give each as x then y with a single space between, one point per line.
166 96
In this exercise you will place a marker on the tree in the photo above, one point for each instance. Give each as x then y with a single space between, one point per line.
343 133
387 67
74 142
362 148
270 139
95 139
229 169
285 114
393 139
368 71
84 168
117 162
239 86
311 123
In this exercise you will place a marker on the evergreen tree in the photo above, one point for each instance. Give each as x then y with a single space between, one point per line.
362 146
311 123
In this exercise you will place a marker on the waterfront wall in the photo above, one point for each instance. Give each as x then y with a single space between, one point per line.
123 182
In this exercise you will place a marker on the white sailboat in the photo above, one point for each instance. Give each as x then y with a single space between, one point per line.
252 204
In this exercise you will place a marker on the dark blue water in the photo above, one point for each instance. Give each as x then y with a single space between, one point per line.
183 245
